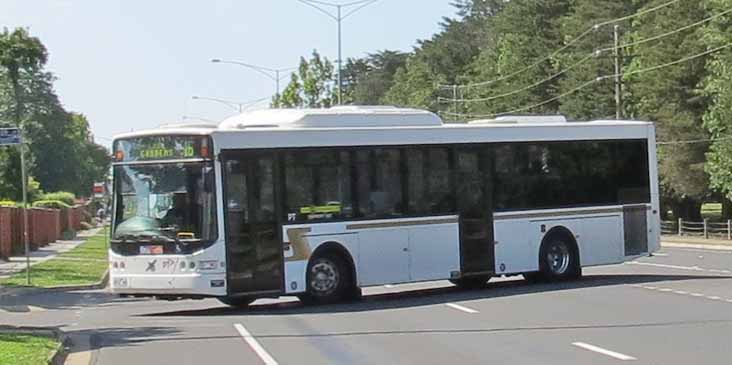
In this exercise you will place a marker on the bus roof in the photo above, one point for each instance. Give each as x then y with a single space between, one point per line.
364 117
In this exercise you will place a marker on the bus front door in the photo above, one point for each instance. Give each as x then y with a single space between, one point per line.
253 246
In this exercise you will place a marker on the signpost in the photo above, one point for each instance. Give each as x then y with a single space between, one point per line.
13 137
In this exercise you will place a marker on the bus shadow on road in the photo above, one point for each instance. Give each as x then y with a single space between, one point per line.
434 295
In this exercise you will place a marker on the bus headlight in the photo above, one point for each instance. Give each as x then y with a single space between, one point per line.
207 265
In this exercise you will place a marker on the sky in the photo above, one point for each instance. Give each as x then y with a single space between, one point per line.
135 64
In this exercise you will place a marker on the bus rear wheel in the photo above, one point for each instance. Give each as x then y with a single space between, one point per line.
237 302
328 280
558 260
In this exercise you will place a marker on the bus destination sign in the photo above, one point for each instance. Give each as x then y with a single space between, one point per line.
161 148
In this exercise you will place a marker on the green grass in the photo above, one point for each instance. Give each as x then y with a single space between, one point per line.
94 248
25 349
85 264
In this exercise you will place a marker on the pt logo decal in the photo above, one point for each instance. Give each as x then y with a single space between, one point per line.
151 266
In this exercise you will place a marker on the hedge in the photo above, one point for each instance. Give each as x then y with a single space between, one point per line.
54 204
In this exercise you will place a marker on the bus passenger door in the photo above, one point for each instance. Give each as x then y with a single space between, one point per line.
474 199
253 246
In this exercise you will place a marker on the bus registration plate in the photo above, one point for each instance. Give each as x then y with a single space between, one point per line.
151 250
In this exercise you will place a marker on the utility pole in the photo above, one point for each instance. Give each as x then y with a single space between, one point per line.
618 100
338 17
25 214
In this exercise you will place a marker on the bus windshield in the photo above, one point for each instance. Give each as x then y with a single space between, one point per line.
172 202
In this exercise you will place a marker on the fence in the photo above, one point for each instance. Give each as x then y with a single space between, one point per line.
44 226
705 229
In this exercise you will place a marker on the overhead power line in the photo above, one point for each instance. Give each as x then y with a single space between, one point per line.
596 53
588 83
670 33
694 141
561 49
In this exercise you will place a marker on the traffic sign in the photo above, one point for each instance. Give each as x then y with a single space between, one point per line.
10 136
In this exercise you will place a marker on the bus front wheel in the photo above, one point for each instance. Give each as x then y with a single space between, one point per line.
328 279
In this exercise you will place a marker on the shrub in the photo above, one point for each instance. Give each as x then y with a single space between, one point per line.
53 204
66 197
8 203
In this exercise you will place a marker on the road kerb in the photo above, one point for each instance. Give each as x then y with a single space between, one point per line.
699 246
24 290
57 358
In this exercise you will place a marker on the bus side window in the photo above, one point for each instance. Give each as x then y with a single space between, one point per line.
379 183
317 185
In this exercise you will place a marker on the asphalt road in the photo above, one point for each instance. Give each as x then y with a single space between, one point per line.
673 308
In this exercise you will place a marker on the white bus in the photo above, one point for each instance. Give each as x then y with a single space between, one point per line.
320 203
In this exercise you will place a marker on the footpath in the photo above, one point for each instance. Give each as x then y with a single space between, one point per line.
696 242
16 264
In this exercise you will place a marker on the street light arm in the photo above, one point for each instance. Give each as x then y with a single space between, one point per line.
362 5
263 70
326 12
357 3
230 104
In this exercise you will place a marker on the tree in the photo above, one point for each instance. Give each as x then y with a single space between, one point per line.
368 79
20 53
523 34
718 89
583 64
673 98
62 155
444 57
312 86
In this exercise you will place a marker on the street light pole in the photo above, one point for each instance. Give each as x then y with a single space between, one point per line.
338 17
271 73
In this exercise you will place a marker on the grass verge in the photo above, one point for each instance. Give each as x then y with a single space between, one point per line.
84 265
18 349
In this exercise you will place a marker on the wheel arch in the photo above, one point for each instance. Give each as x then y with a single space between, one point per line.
339 249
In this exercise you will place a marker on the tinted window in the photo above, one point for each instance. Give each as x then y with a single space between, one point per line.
430 190
557 174
318 185
379 183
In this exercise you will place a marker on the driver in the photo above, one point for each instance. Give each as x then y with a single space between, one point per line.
176 215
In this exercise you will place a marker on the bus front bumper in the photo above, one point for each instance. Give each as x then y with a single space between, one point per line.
193 284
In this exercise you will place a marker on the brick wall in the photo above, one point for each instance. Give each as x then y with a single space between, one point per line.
44 226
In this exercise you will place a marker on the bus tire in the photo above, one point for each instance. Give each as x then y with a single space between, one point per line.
237 302
558 260
471 282
328 279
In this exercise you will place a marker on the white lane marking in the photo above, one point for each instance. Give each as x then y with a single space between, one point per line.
665 289
660 254
692 268
696 294
603 351
252 342
681 292
461 308
714 298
